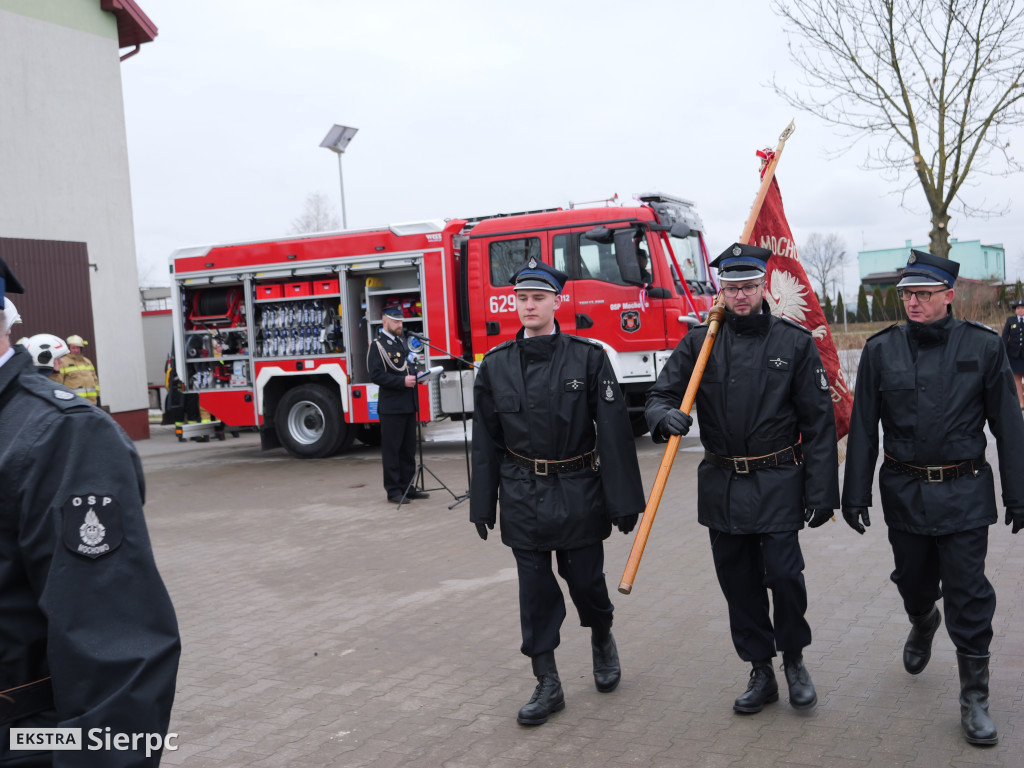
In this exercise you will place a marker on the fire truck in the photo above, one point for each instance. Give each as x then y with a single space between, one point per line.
275 334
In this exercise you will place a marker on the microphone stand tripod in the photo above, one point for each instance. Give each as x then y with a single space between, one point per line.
418 476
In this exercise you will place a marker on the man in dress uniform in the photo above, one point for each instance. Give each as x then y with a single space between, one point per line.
391 370
770 465
552 438
934 382
88 636
1013 341
77 371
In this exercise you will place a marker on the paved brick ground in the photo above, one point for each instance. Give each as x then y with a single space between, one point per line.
324 627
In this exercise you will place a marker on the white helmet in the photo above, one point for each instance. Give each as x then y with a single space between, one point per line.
45 348
10 313
77 340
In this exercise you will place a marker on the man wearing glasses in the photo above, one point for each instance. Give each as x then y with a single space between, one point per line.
769 434
934 382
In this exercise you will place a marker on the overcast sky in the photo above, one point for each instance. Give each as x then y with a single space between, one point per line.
472 108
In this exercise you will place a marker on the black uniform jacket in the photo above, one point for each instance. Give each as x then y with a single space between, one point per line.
1013 336
551 397
764 389
389 374
933 413
80 595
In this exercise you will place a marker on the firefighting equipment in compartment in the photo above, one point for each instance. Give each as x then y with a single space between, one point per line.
298 328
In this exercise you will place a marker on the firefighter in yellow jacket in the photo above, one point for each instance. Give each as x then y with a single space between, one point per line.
77 371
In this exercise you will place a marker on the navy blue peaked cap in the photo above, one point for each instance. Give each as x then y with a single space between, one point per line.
925 269
537 276
742 262
8 282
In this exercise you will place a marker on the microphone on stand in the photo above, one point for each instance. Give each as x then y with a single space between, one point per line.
416 335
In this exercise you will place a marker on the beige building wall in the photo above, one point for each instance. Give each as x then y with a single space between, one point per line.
64 165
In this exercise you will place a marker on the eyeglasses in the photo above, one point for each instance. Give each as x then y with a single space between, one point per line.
922 296
748 290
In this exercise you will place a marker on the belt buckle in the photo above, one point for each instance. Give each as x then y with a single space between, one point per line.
537 464
736 466
937 477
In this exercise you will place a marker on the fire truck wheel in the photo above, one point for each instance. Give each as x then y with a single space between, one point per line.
309 422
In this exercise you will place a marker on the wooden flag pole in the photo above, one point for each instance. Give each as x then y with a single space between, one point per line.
714 320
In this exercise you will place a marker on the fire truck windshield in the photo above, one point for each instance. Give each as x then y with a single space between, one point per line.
687 251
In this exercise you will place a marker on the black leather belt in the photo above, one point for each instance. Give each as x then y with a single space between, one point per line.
938 473
24 700
743 465
544 467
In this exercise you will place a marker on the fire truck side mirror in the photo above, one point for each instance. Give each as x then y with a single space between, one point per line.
680 229
599 235
626 257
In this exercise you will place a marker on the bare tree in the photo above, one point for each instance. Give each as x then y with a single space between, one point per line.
823 257
317 216
933 88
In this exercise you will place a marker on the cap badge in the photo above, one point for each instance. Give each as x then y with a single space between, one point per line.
736 251
532 263
912 259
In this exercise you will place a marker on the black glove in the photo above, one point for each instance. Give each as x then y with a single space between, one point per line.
675 422
482 529
1015 515
853 516
816 517
627 523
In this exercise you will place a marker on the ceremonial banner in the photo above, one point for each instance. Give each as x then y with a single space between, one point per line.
790 295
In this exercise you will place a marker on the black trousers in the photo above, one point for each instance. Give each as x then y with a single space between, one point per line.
397 450
748 565
541 604
951 567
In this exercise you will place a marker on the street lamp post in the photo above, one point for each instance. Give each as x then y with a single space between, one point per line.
336 140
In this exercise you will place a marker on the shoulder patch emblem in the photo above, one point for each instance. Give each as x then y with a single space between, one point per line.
92 524
821 378
608 390
62 394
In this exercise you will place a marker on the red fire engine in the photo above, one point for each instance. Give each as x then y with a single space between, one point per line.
275 334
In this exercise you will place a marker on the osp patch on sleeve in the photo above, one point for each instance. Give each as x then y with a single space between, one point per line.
608 390
92 524
821 378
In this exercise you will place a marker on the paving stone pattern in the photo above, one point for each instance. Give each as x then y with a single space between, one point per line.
321 626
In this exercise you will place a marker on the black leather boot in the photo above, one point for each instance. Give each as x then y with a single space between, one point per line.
974 719
607 671
547 698
918 649
801 690
762 689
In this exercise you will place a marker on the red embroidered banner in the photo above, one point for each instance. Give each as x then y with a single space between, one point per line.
790 295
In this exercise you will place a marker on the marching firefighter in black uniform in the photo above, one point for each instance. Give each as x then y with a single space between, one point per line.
1013 341
552 438
88 636
391 370
770 465
934 382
